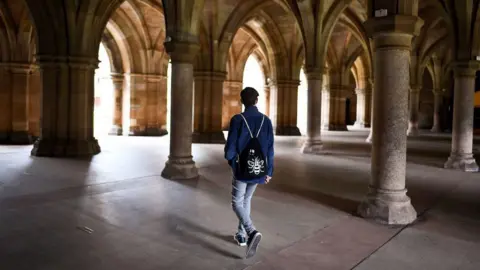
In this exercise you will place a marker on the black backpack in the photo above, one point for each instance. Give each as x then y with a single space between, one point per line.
251 163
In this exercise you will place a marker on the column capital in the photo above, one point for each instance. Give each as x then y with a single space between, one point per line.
394 31
147 76
182 52
117 77
360 91
340 90
210 75
154 77
415 89
315 74
233 82
287 83
81 62
465 68
20 68
439 92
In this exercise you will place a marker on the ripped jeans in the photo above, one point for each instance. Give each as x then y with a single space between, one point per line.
241 203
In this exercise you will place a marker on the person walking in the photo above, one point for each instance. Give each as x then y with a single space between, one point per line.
249 152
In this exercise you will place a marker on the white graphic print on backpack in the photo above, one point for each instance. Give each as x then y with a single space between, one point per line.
256 166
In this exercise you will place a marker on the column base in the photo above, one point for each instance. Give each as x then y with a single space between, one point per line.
65 148
149 132
287 131
335 127
208 137
388 207
369 139
116 131
436 129
464 163
312 147
412 131
180 169
360 125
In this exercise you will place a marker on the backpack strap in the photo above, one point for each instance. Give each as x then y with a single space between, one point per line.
261 125
248 127
246 123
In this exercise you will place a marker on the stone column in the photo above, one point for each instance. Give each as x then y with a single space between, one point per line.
5 104
313 142
20 133
284 96
267 92
335 118
207 123
370 135
118 81
413 111
461 157
437 110
362 120
138 104
231 101
35 103
180 164
387 201
67 107
156 105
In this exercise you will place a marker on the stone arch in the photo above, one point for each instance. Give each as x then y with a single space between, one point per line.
240 15
65 33
119 58
250 43
18 31
129 38
137 30
329 22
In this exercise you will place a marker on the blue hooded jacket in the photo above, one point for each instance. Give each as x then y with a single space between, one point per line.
238 137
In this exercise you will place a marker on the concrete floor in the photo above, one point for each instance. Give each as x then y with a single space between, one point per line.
116 212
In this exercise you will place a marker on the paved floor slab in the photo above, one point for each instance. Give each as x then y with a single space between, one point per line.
116 212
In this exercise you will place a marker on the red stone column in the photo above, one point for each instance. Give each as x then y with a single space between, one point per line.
232 104
283 107
20 133
156 110
67 107
118 81
336 99
208 96
138 104
35 103
5 104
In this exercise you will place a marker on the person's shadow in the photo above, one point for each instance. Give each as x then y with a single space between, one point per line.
190 233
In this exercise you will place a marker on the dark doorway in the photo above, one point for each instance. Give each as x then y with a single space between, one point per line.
476 114
348 120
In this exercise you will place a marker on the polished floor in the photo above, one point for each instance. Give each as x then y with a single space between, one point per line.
116 212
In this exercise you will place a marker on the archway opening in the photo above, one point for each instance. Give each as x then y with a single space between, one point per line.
302 101
351 100
104 98
253 77
426 102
